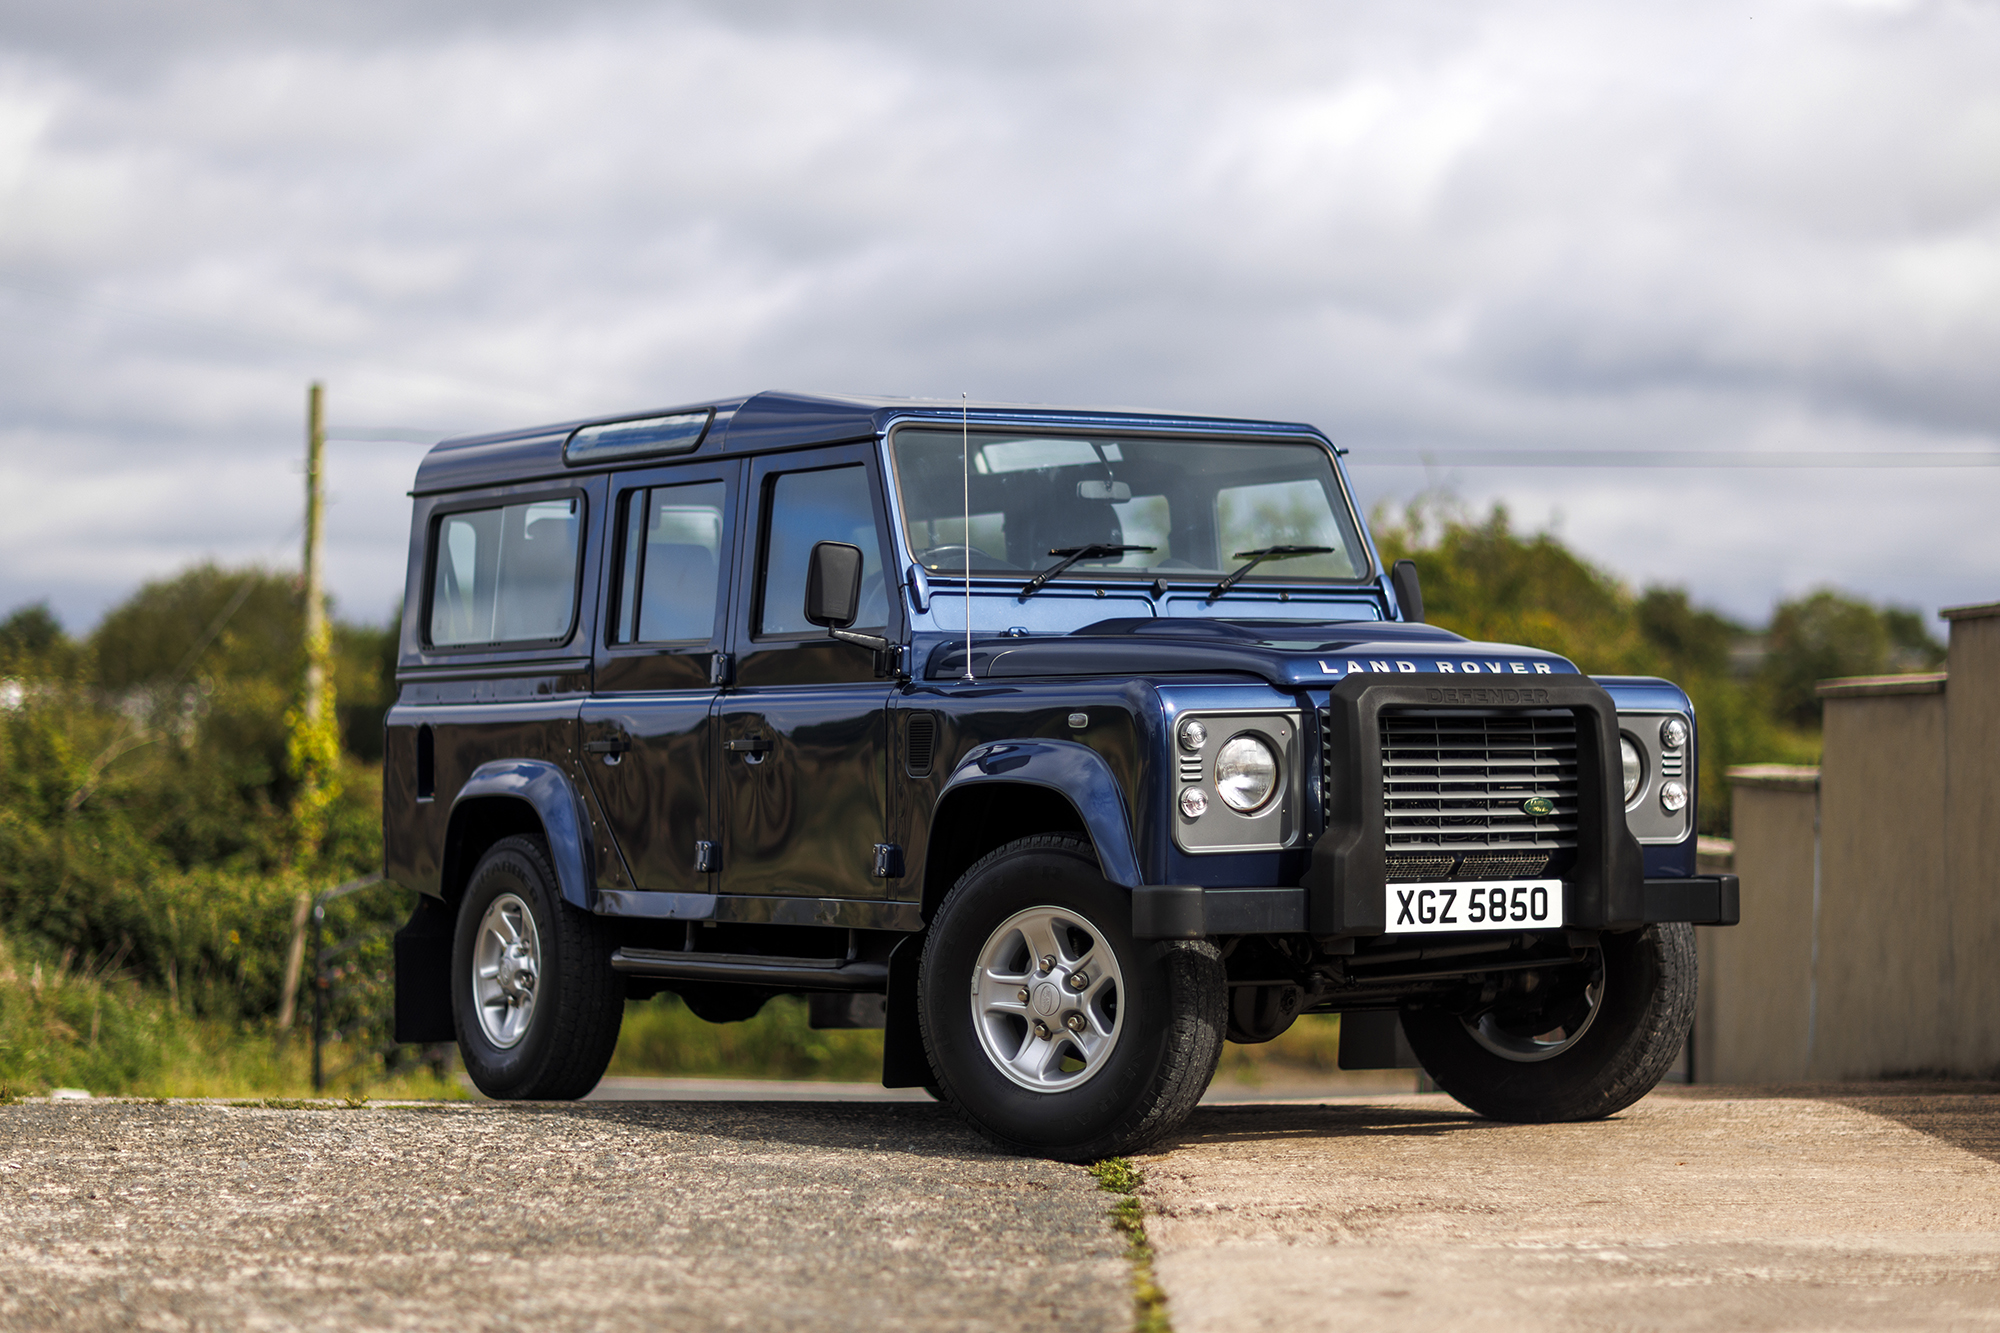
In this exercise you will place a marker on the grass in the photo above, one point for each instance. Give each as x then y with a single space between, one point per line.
661 1037
1117 1175
62 1028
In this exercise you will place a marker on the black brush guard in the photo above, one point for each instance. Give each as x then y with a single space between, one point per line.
1605 888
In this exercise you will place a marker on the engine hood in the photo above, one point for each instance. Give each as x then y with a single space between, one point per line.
1286 654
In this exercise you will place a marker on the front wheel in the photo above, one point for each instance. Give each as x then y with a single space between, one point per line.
1049 1028
1584 1042
535 1000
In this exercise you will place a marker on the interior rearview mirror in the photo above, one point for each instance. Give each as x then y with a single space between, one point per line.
833 585
1409 593
1116 491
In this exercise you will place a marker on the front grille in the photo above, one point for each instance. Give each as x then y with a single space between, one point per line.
1452 789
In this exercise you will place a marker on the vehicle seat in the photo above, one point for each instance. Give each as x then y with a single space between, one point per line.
677 595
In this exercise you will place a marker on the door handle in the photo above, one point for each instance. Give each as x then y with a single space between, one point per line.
616 745
748 745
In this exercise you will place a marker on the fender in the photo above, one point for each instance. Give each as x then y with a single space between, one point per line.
1080 774
545 789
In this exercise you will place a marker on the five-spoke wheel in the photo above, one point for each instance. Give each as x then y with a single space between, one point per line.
1045 999
1049 1028
536 1004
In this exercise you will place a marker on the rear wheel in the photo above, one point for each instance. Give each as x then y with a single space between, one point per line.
1048 1027
1585 1042
534 998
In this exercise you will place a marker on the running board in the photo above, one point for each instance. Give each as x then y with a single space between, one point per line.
807 974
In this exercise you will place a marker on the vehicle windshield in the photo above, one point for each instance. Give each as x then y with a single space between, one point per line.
1183 509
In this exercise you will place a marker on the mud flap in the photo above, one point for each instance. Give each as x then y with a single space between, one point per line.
423 973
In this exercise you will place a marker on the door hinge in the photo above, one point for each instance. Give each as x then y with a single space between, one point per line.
888 861
707 858
719 670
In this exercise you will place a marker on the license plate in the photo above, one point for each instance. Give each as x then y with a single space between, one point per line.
1509 904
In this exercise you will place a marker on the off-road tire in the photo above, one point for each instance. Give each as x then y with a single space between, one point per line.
579 1002
1642 1020
1172 998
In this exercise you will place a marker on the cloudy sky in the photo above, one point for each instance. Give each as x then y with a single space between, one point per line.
1464 239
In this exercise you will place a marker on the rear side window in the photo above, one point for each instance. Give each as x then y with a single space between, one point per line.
670 568
506 575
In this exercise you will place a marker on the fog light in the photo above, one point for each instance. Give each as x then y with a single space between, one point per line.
1193 736
1673 733
1194 802
1673 797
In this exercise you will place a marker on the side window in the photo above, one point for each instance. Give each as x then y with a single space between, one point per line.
670 565
505 575
832 504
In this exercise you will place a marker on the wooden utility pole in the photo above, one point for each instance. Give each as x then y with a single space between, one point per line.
316 636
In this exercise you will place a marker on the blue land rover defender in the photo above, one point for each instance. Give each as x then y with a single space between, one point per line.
1065 745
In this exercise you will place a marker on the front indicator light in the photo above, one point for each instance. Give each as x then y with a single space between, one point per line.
1194 802
1246 774
1673 733
1673 797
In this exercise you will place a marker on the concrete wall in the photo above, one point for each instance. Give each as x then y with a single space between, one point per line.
1972 810
1870 941
1882 984
1754 1012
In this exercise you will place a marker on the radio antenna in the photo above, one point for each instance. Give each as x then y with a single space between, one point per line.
965 464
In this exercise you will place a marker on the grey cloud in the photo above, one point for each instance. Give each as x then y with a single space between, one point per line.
1416 224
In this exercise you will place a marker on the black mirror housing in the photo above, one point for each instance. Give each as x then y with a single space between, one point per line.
833 585
1409 592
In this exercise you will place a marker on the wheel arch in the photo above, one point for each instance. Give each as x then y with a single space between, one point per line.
1009 789
518 796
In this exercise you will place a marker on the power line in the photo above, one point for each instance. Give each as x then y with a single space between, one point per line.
1679 458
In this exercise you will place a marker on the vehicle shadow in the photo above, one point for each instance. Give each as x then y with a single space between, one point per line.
1227 1124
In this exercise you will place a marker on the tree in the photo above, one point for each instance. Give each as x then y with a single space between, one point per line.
1826 635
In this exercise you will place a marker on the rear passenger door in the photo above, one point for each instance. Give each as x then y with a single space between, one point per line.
804 724
647 730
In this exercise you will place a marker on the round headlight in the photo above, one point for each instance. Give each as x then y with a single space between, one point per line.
1194 803
1246 773
1673 733
1193 736
1635 766
1673 797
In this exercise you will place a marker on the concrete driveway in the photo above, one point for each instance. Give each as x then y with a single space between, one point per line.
1873 1208
1863 1208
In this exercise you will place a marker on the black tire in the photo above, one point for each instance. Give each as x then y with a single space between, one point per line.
578 1001
1645 1009
1169 1010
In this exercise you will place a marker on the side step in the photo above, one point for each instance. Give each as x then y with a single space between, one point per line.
807 974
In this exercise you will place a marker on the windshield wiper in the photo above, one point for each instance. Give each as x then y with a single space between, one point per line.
1258 557
1070 555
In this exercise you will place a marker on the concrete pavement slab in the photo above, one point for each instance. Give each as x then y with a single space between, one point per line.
692 1216
1683 1213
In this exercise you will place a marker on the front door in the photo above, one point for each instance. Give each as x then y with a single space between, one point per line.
648 729
804 725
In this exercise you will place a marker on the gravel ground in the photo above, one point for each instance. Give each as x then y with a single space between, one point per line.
601 1216
1859 1208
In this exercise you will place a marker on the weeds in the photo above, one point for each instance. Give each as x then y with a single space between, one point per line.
1117 1175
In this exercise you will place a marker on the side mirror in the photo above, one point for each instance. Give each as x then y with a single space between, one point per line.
833 585
833 595
1409 593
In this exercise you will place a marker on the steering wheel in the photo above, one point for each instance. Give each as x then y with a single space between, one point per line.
943 559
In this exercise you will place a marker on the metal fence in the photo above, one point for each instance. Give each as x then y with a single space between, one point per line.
350 986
